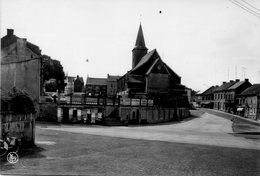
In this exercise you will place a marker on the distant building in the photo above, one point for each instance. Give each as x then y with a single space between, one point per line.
78 84
231 97
69 88
220 95
112 85
96 87
207 97
250 98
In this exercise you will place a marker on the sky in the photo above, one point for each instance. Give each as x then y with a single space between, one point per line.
205 42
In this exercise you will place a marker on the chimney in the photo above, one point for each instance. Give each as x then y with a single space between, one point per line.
237 80
246 80
10 32
231 81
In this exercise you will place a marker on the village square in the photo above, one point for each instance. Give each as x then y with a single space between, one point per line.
147 119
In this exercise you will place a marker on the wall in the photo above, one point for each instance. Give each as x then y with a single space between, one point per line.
21 126
157 83
152 114
20 69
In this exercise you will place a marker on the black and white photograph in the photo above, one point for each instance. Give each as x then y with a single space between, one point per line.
130 87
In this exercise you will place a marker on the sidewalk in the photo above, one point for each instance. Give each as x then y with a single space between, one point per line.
240 124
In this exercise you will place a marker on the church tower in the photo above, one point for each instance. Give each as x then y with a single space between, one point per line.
140 49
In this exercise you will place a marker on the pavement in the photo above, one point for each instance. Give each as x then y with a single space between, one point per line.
204 144
207 129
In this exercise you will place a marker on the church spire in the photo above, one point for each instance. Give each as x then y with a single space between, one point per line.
140 49
140 39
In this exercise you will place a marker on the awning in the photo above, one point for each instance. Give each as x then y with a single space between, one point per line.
240 109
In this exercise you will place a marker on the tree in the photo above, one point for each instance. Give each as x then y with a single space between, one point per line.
53 69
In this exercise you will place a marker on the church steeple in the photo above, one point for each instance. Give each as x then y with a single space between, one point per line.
140 49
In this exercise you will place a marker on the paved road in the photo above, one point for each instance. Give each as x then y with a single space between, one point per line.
165 149
207 129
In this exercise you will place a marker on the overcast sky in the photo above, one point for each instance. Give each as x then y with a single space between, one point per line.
206 42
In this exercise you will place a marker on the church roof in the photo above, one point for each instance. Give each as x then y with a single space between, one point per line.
148 62
140 43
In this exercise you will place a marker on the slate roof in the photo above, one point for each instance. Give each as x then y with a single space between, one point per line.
96 81
140 44
236 85
209 90
144 59
253 90
224 86
113 77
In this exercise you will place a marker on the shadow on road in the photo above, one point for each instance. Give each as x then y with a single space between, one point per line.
24 153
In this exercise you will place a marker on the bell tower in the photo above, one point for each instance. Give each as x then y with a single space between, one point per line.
140 49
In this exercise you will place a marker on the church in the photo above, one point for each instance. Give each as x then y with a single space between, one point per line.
151 78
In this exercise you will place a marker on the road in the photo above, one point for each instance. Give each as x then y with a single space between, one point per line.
202 145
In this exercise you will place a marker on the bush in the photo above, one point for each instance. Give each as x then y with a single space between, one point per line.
21 102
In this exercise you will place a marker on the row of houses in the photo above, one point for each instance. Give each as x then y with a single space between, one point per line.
236 96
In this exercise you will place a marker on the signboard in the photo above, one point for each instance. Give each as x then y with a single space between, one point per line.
125 101
135 102
143 102
150 102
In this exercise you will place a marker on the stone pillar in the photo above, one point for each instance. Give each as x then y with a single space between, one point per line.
70 113
59 114
79 114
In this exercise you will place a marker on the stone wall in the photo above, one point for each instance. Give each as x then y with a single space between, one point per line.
21 126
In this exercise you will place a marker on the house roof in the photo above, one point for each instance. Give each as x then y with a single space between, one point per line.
113 77
253 90
237 85
224 86
209 90
96 81
10 38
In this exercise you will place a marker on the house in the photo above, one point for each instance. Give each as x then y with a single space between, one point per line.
231 98
112 85
220 95
69 88
78 84
96 87
250 98
207 97
150 77
20 65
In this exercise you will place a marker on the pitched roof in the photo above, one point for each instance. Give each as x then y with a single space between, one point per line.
113 77
140 43
209 90
224 86
10 38
96 81
144 59
253 90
